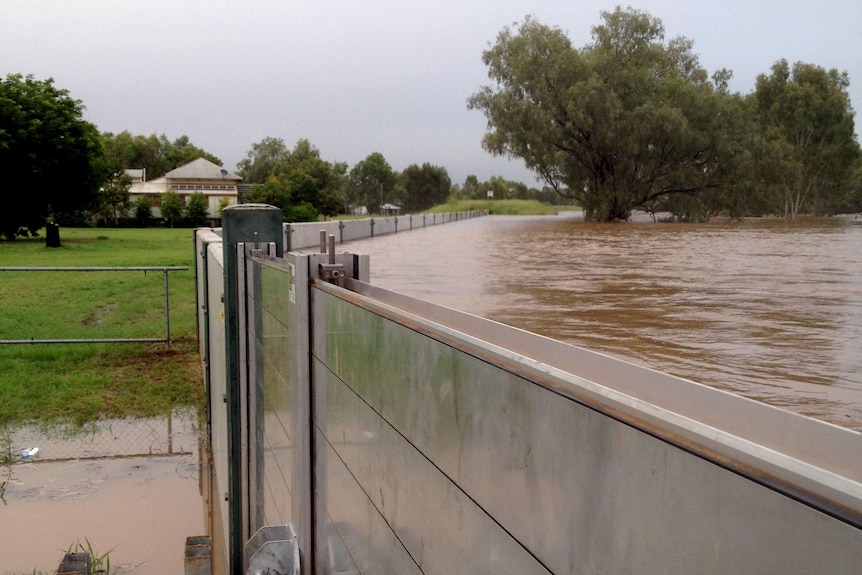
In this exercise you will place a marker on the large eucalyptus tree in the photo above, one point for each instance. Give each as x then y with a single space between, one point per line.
622 123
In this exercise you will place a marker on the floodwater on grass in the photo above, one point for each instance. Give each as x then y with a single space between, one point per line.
140 506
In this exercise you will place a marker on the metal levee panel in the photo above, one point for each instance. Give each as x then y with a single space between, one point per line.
354 230
580 477
388 225
284 409
217 388
307 235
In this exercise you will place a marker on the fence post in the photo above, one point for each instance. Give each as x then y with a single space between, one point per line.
240 224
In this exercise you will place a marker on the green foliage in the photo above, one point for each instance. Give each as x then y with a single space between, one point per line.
196 209
101 562
50 155
114 199
632 121
290 179
808 138
497 207
304 212
498 188
274 192
372 183
222 204
156 154
616 125
261 160
143 210
173 206
424 187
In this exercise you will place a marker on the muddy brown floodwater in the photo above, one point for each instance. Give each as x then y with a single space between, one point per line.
141 508
768 309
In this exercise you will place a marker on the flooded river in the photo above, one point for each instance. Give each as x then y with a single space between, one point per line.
768 309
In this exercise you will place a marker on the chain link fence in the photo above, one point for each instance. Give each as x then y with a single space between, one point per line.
176 433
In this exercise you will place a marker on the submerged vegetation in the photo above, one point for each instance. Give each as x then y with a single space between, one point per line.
633 121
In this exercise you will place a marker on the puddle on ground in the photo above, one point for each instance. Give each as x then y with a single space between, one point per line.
139 507
173 434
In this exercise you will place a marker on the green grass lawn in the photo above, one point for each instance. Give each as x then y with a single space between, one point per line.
83 382
501 207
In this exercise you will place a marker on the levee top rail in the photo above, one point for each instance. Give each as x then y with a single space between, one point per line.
164 269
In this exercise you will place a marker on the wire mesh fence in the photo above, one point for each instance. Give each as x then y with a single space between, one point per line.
116 307
176 433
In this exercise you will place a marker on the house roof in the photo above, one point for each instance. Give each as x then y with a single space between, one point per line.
201 169
136 174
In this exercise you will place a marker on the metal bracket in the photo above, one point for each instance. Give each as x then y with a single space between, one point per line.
258 251
273 551
330 271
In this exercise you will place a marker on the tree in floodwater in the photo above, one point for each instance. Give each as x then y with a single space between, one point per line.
623 123
807 124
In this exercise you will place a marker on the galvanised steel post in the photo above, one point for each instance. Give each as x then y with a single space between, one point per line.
167 311
240 223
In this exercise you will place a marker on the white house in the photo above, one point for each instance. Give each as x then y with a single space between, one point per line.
201 175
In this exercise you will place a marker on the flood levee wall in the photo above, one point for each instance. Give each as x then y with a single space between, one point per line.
307 234
397 436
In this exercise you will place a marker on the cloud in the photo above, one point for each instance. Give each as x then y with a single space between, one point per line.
358 77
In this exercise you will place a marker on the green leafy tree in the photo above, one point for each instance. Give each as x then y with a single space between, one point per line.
855 199
156 154
52 158
470 189
173 207
261 160
114 200
332 198
181 151
616 125
424 187
275 192
294 177
143 210
197 211
222 204
497 186
807 123
303 212
371 183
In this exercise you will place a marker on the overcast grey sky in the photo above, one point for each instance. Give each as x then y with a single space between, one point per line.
358 77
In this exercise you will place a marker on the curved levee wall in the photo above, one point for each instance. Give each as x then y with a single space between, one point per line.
398 436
